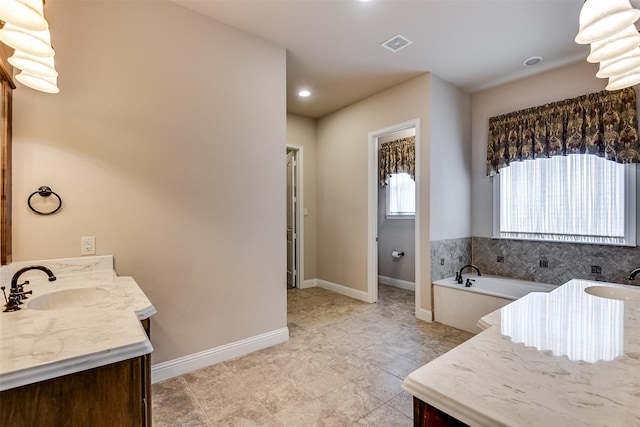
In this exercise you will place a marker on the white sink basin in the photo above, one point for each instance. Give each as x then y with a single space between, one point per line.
622 294
68 298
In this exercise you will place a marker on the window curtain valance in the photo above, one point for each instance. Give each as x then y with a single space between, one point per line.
397 157
603 123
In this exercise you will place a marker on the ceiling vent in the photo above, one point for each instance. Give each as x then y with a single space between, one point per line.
396 43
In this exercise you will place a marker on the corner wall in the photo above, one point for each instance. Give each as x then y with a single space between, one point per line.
167 144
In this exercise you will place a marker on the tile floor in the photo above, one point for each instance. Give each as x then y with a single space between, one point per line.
343 366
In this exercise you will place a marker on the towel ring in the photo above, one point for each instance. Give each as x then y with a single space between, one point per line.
45 191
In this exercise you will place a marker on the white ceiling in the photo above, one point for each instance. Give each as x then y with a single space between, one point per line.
333 46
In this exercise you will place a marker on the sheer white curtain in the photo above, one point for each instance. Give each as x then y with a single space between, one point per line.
401 195
577 198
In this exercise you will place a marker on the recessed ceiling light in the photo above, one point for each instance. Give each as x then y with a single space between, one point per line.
304 93
534 60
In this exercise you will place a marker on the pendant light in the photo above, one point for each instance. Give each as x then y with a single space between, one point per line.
622 81
34 65
37 43
24 13
24 28
41 83
600 19
614 46
620 65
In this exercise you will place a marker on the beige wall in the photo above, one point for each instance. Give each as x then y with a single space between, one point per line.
167 144
566 82
343 179
301 131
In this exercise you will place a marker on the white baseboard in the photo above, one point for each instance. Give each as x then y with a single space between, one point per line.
398 283
424 314
182 365
310 283
344 290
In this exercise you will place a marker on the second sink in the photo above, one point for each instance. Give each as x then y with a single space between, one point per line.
68 298
621 294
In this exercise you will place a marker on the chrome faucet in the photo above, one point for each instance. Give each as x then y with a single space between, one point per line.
17 292
459 273
634 273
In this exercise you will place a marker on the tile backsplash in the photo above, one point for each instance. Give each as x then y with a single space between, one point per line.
447 256
554 263
545 262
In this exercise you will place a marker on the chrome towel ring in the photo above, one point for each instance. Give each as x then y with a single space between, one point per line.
44 191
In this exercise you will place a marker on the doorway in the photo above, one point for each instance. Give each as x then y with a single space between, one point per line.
295 226
396 212
412 126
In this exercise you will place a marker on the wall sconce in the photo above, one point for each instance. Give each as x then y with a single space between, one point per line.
609 26
24 28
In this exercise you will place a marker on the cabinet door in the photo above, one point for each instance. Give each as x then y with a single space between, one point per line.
106 396
146 379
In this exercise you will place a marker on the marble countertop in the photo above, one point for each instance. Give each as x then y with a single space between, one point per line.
563 358
37 344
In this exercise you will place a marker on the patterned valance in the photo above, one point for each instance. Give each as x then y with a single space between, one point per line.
602 123
397 157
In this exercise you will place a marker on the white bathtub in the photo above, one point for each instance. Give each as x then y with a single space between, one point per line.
461 307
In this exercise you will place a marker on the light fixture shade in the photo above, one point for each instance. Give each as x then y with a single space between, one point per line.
629 79
35 65
620 65
43 84
24 14
600 19
37 43
616 45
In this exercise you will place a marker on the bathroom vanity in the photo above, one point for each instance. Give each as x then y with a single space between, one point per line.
78 351
565 358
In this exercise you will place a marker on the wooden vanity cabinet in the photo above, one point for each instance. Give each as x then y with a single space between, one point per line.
118 394
425 415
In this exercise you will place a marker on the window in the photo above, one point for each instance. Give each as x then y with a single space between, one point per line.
401 196
575 198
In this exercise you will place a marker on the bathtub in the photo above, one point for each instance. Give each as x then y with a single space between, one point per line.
461 307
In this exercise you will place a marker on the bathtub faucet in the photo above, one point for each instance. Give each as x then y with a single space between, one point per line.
634 273
459 273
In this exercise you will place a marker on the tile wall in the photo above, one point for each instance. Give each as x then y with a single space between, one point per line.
546 262
554 263
447 256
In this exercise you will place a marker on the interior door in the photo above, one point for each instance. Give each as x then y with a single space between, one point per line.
292 276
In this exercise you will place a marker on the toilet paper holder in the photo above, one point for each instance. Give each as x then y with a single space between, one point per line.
397 254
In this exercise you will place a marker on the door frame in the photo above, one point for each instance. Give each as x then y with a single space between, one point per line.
299 213
372 243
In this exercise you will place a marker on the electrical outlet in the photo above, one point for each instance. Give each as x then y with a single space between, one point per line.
441 261
87 246
544 263
596 269
499 258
